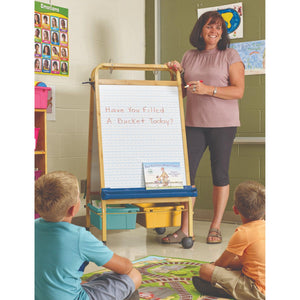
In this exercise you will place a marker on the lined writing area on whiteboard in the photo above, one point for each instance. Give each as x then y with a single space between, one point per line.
139 124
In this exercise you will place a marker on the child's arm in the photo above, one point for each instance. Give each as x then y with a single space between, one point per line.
228 260
119 264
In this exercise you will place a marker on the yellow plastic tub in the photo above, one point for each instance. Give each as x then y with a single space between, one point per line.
159 215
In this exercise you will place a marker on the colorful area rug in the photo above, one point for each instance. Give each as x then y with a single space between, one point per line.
166 278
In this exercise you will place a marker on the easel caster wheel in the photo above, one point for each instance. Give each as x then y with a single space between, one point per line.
160 230
187 242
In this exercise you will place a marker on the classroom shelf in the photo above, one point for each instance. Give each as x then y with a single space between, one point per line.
40 153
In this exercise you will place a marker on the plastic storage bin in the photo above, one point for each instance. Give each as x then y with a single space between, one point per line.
120 219
41 97
159 215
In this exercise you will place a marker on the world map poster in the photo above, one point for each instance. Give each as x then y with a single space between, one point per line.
51 40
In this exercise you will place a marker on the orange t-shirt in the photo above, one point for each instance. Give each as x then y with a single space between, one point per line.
248 242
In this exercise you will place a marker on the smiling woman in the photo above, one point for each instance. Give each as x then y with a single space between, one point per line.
210 19
211 33
213 75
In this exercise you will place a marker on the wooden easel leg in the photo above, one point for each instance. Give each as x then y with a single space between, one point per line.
89 164
104 228
190 205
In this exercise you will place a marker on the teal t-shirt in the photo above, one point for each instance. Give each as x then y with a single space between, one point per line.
62 250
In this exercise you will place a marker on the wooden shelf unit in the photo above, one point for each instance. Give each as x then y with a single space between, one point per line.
40 153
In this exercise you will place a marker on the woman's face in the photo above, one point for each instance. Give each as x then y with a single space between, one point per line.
211 34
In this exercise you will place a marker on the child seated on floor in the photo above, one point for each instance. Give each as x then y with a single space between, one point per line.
239 272
62 249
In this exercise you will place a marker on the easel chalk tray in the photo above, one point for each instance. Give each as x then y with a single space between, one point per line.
133 122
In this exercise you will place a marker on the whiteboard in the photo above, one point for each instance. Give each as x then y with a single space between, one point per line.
139 123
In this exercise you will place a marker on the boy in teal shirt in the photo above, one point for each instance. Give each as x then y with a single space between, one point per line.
62 249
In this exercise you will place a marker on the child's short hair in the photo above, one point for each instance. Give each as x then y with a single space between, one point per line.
250 200
55 193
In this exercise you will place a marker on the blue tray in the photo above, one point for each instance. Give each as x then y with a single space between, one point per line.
135 193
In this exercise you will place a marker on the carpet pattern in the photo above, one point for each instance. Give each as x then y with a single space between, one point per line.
166 278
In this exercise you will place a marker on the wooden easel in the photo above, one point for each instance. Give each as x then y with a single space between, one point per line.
96 157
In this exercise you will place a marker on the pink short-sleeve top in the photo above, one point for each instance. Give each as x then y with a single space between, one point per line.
211 66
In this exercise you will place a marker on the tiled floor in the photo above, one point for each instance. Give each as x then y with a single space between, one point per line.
141 242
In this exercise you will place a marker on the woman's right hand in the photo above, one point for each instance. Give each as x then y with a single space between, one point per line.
174 65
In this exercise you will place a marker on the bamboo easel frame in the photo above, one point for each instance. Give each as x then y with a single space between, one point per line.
94 96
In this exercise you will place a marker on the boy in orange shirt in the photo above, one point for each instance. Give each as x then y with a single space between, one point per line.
239 272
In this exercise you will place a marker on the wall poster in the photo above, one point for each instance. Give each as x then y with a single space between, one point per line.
232 15
51 39
253 56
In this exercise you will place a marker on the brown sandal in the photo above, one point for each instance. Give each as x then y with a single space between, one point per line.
174 238
216 233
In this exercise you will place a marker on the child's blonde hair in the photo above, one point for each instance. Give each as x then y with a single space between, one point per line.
55 193
250 200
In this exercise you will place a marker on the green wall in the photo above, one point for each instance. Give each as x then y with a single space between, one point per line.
177 20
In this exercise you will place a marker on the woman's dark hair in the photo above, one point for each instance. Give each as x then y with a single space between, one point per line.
198 41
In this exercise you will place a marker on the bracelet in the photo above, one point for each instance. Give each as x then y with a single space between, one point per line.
214 91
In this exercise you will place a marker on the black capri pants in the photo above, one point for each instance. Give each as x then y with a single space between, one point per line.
219 141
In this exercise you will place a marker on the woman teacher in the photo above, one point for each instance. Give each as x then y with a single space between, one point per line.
213 81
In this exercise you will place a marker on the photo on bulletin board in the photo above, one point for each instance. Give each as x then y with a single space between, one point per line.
51 40
232 15
37 35
37 49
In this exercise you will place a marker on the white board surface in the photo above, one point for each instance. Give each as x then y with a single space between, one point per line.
139 123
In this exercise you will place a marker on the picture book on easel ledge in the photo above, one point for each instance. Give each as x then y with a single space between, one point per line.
162 175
